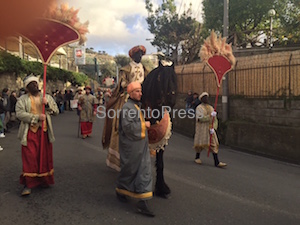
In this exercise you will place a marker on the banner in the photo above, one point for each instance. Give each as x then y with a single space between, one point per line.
79 55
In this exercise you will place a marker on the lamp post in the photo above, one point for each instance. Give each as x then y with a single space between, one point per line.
225 84
271 13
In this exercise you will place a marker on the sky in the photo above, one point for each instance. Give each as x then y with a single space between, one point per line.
115 26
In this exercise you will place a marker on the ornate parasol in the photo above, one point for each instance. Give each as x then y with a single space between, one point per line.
218 56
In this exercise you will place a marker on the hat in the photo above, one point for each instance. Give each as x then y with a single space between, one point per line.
133 86
79 89
29 79
135 49
203 94
88 87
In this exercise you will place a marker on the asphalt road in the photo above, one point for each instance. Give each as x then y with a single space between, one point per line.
251 190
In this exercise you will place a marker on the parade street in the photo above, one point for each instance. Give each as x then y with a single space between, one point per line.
250 190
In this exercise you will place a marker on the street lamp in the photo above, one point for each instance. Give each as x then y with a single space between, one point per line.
271 14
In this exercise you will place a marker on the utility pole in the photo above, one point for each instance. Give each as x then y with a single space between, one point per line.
225 78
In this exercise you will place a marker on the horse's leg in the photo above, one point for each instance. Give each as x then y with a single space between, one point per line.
161 188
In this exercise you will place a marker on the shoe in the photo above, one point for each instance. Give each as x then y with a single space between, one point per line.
2 135
1 149
26 191
221 165
198 161
84 136
162 195
142 207
121 198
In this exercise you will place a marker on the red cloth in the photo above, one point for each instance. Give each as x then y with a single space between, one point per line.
32 175
86 128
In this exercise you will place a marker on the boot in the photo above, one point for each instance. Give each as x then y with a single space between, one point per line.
142 207
217 162
26 191
121 198
197 158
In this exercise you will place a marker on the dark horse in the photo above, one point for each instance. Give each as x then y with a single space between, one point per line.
159 91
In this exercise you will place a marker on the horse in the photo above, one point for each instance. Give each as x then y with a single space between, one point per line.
159 92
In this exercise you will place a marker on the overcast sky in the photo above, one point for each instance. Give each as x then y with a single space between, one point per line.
117 25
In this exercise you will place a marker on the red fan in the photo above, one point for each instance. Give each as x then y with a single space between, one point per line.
220 65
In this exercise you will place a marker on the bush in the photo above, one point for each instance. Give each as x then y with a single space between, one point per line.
35 68
12 64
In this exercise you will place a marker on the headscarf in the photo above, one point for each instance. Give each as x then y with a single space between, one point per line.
133 86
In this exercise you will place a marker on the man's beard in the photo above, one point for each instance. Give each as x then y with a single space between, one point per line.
33 90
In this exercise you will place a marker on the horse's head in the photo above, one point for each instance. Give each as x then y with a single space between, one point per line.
160 87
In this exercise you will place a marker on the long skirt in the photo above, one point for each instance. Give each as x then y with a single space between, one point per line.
86 128
33 175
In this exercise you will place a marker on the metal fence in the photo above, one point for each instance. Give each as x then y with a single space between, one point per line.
272 75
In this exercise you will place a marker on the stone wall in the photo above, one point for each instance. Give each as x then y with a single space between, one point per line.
277 112
15 83
10 81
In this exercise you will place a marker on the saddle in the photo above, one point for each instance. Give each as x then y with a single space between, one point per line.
160 133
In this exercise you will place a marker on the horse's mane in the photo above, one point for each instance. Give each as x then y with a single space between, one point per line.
156 86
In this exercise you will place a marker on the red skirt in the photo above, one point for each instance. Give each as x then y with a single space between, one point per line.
33 175
86 128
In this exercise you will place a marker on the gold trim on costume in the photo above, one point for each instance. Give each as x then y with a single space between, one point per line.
143 124
135 195
38 174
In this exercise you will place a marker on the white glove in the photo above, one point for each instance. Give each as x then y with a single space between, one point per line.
212 131
213 113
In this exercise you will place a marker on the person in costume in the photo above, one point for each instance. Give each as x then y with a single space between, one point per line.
135 178
77 96
134 71
36 171
87 105
203 130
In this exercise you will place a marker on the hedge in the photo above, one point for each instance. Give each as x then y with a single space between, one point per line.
13 64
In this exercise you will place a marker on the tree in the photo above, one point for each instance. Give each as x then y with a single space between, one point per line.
121 60
108 69
249 20
170 29
288 14
246 19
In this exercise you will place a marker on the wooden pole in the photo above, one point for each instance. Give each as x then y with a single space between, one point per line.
43 112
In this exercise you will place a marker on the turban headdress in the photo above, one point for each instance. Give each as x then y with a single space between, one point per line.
135 49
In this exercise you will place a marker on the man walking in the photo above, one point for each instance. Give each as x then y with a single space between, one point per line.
37 159
203 130
135 178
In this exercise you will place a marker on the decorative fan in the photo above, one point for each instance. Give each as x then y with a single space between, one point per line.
59 27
